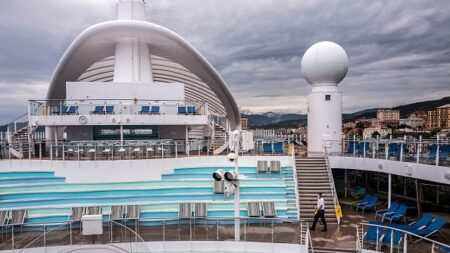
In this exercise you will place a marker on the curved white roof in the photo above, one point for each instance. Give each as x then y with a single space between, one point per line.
90 57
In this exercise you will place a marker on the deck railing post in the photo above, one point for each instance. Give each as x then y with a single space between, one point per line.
45 238
437 150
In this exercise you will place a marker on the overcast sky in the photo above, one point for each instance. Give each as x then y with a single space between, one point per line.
399 51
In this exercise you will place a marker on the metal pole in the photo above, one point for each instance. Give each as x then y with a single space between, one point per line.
418 200
389 189
437 150
345 182
419 149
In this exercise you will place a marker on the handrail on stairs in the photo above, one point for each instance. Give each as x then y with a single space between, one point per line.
332 185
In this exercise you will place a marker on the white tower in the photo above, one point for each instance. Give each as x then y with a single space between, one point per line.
324 65
132 62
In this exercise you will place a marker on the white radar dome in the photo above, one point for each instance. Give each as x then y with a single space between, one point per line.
324 63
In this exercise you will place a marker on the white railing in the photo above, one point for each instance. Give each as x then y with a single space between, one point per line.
426 151
269 230
407 241
115 106
331 182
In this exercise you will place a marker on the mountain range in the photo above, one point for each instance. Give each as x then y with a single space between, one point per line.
292 120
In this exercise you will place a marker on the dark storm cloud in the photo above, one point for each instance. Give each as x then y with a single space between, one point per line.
399 50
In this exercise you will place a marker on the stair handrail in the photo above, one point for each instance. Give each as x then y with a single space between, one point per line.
331 181
13 127
297 197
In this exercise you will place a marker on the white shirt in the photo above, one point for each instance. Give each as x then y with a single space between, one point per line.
320 203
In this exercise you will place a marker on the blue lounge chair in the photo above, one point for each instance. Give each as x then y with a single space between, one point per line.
432 153
373 234
278 147
434 227
370 204
191 110
389 211
363 146
361 191
145 109
109 109
393 236
267 147
99 109
352 146
419 224
399 213
364 200
73 110
155 109
444 151
62 109
393 149
182 109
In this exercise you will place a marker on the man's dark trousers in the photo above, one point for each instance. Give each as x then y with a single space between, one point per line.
320 214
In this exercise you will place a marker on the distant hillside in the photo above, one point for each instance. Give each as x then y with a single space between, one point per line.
279 120
405 110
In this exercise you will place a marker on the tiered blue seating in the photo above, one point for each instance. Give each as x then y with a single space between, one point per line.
158 199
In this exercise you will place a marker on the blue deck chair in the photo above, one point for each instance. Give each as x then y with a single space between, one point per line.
372 202
393 149
364 200
145 109
278 147
389 211
373 234
155 109
399 213
352 146
394 235
109 109
73 110
432 153
62 109
99 109
434 227
267 147
419 224
191 110
361 148
182 109
444 151
361 191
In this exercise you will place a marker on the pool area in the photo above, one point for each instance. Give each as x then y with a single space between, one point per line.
48 198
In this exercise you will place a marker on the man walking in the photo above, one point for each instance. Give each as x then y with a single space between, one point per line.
320 213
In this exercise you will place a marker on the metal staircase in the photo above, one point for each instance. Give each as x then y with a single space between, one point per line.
219 136
313 177
18 133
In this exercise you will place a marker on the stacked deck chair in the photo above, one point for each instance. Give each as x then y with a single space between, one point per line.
364 200
389 211
398 214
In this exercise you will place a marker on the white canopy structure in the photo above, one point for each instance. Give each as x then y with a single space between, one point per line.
92 57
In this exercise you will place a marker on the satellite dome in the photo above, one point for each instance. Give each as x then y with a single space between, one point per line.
324 63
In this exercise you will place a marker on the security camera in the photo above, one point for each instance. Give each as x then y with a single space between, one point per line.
231 176
218 175
232 157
